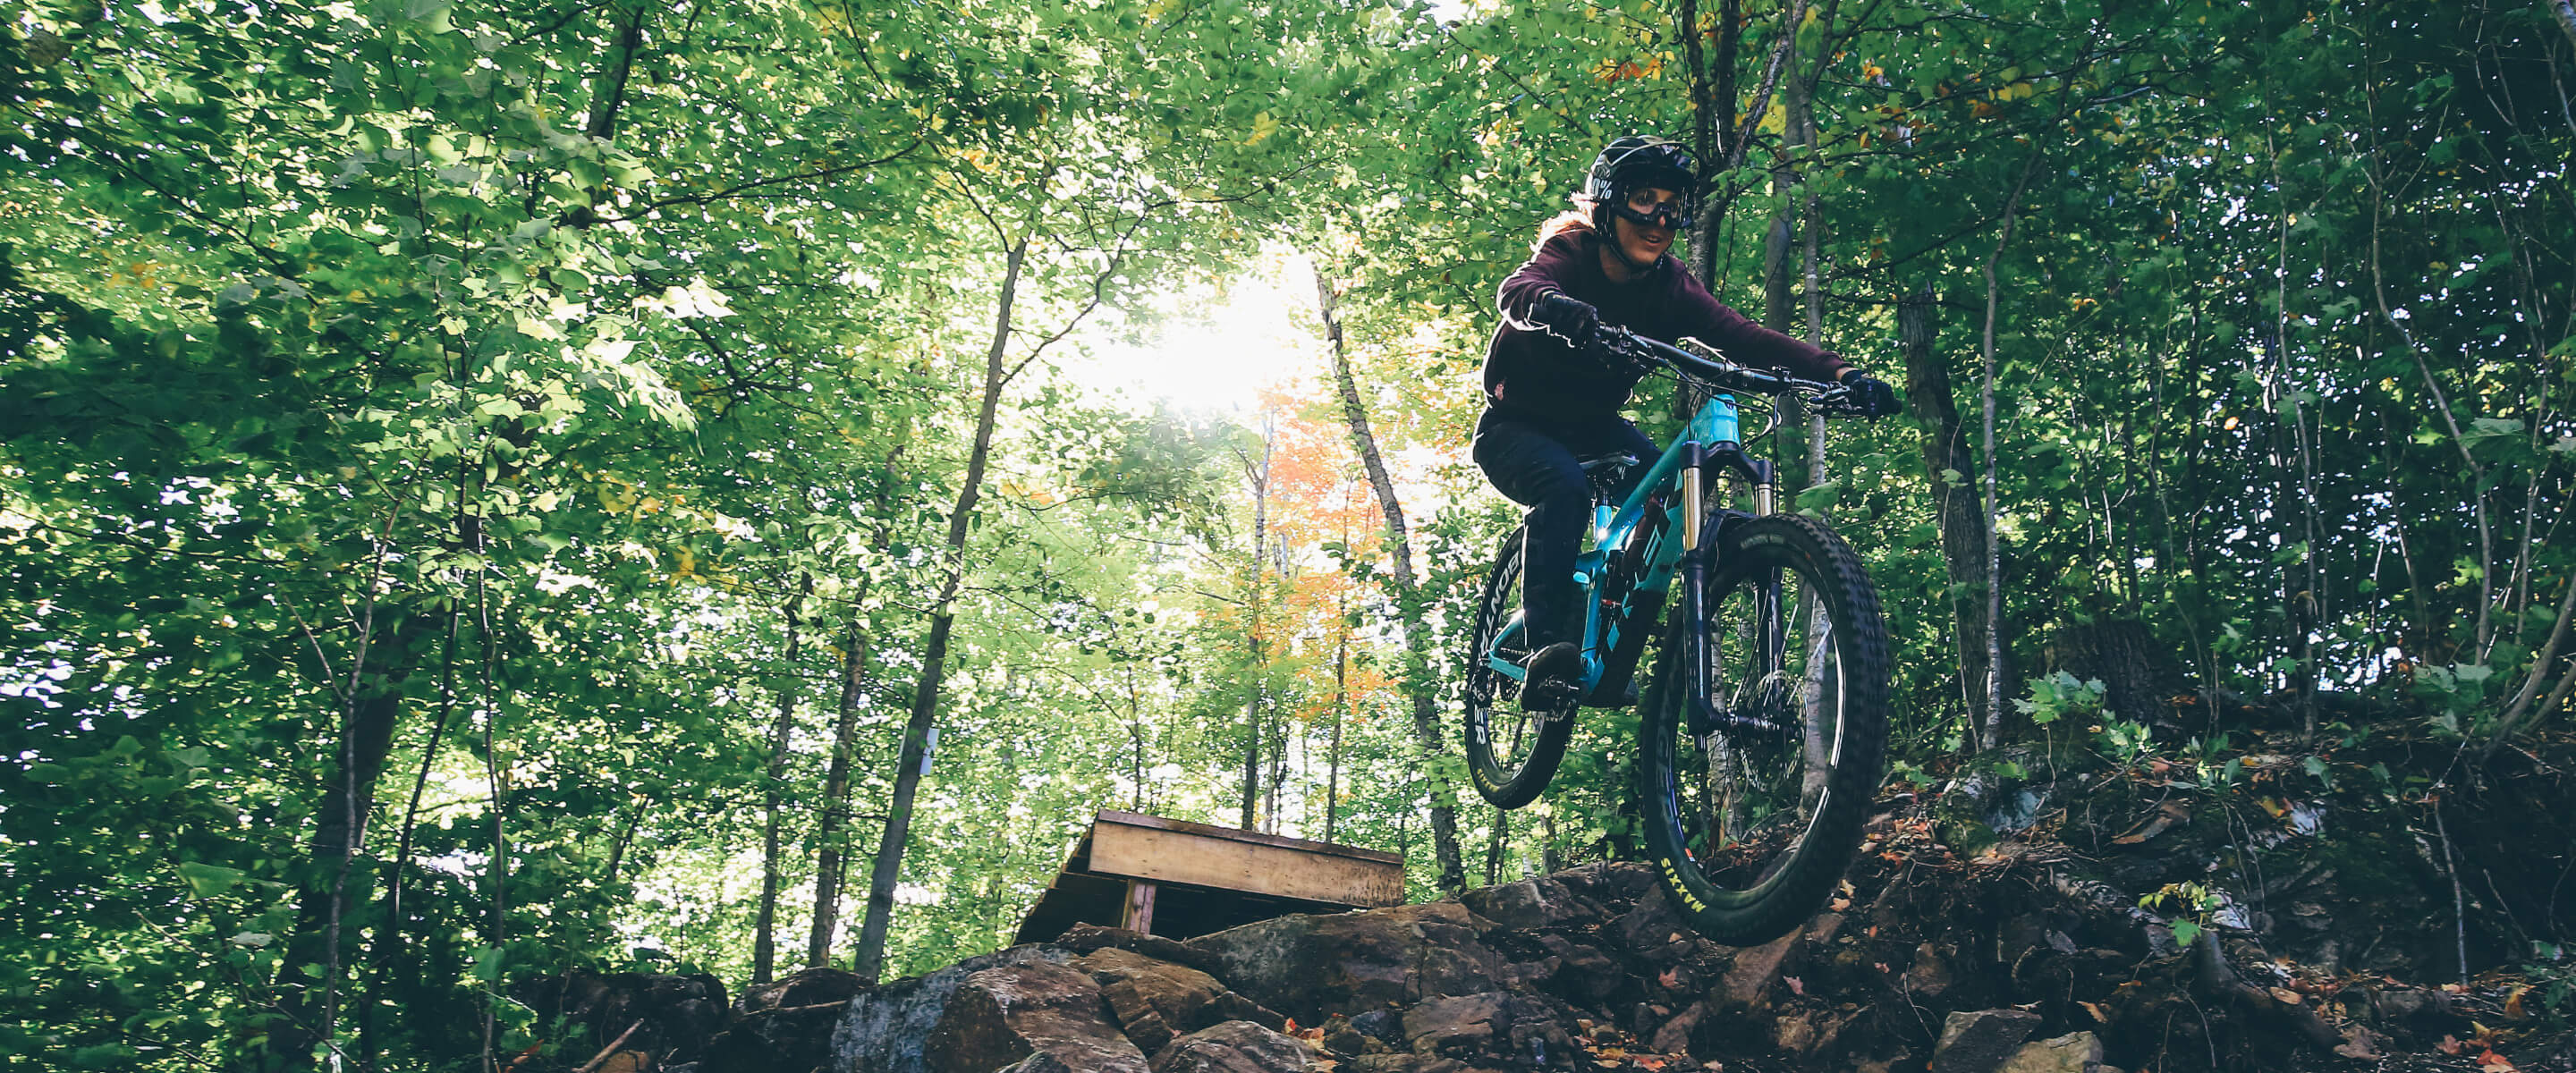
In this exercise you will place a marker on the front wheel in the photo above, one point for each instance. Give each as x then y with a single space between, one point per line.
1511 751
1751 828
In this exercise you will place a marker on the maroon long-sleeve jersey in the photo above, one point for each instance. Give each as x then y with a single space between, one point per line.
1533 373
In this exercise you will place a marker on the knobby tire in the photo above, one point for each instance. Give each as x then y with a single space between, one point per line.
1740 875
1511 753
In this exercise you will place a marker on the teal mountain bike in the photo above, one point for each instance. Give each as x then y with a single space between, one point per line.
1763 725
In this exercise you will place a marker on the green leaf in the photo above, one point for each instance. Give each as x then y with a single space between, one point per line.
208 880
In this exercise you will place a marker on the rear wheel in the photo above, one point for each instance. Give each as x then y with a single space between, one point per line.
1751 830
1511 751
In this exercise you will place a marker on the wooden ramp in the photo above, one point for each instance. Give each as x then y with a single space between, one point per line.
1178 879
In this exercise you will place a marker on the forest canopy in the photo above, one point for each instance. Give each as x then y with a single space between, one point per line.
494 489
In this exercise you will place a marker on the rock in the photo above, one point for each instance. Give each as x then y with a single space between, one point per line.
1794 1033
1929 976
1381 1025
673 1016
1653 930
1529 905
1153 1000
1234 1047
1580 969
883 1028
1450 1025
1674 1037
808 987
1052 1015
1310 966
783 1024
1406 1063
1978 1041
1343 1037
1086 938
2074 1053
1747 983
1609 881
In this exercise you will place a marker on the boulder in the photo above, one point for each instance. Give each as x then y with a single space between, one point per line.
1085 938
672 1017
808 987
1310 967
883 1028
1453 1025
1153 1000
1654 931
1747 983
1044 1016
1580 969
1234 1047
1978 1041
2077 1052
1675 1035
1530 904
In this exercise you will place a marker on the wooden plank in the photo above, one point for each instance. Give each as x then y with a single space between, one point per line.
1138 916
1236 834
1163 854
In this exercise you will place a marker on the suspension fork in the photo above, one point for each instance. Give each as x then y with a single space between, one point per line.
1705 709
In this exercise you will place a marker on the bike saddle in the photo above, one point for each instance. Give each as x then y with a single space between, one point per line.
1606 472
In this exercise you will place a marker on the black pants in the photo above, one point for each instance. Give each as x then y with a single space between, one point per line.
1535 463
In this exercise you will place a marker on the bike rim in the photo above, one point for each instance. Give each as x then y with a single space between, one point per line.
1497 726
1740 805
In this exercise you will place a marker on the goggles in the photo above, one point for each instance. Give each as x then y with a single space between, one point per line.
1672 214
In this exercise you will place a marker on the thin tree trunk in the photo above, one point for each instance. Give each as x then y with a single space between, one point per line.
1408 602
1260 681
828 869
764 936
888 866
370 708
1333 752
1946 465
1994 713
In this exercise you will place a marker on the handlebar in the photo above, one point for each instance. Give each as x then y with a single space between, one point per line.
1695 360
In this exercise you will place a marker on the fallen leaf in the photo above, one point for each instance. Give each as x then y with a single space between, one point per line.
1670 978
1840 904
2285 996
2497 1062
2357 1044
1796 986
2096 1011
2513 1002
2449 1045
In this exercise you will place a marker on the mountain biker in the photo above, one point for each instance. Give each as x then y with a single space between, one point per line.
1551 399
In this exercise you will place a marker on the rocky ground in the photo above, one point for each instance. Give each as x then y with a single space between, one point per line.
2230 910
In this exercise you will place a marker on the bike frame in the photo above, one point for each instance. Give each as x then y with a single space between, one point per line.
1635 558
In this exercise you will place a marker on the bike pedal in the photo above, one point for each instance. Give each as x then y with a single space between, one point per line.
1554 700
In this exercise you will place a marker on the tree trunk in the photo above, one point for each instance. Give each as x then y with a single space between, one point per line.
1947 463
1994 712
828 867
1260 682
764 936
1408 602
371 707
934 656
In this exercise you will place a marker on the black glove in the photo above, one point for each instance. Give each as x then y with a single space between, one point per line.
1875 398
1566 318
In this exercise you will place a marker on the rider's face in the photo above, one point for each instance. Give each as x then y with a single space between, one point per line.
1645 242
